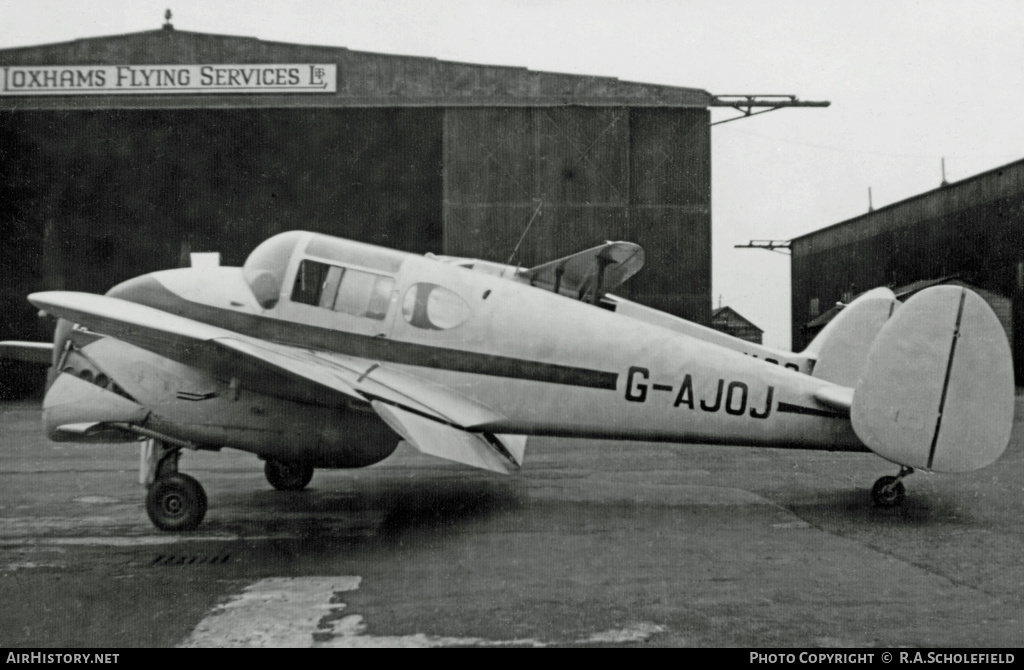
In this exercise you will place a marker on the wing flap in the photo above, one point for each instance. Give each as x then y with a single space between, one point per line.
449 442
515 445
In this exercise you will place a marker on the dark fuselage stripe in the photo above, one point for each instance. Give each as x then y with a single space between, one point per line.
787 408
148 291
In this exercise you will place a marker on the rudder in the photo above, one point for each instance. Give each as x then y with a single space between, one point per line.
937 391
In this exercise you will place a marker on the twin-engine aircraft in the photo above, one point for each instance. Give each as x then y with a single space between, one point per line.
322 352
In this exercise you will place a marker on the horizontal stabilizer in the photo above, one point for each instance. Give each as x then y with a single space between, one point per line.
938 392
479 450
836 397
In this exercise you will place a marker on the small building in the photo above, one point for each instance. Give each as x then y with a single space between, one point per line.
731 322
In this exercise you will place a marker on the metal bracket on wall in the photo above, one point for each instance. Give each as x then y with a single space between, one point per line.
781 246
764 103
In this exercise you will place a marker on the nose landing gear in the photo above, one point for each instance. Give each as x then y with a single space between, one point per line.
889 491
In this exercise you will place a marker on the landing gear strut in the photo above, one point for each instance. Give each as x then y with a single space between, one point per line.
291 476
175 501
889 491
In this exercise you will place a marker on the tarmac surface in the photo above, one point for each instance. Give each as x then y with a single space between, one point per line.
591 544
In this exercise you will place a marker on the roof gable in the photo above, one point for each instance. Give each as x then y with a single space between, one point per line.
731 316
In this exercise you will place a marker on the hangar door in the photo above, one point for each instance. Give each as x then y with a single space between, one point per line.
91 198
585 175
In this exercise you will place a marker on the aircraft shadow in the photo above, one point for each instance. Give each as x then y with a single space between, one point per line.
389 510
852 508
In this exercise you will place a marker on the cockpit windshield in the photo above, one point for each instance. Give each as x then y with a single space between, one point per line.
265 267
369 272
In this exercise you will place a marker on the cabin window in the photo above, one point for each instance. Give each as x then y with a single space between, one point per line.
309 282
434 307
343 290
364 294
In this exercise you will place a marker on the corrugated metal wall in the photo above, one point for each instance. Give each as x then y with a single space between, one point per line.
122 192
91 198
641 175
974 229
670 213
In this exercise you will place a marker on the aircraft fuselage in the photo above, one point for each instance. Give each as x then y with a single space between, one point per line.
548 364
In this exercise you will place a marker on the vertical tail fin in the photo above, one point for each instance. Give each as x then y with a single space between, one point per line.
841 349
937 390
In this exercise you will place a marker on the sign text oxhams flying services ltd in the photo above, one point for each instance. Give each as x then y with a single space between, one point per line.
164 79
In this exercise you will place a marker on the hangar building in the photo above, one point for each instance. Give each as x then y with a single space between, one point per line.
123 154
969 232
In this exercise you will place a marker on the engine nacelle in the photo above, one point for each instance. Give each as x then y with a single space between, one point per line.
107 385
78 410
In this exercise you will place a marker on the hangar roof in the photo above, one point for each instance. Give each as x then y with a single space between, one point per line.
363 79
985 187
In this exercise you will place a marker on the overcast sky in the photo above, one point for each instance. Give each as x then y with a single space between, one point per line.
910 82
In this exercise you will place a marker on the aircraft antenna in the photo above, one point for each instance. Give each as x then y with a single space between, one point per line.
533 218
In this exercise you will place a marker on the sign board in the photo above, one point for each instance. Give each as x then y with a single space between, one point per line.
28 80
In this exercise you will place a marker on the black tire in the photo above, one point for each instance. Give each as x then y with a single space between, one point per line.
176 502
886 494
292 476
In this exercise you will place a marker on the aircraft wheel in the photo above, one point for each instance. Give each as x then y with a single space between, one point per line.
888 492
288 476
176 502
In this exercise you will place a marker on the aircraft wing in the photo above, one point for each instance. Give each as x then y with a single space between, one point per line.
589 274
27 352
431 417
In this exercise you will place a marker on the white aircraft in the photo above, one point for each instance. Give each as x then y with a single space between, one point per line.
321 352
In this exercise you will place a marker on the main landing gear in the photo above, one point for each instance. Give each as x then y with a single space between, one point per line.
291 476
174 501
889 491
